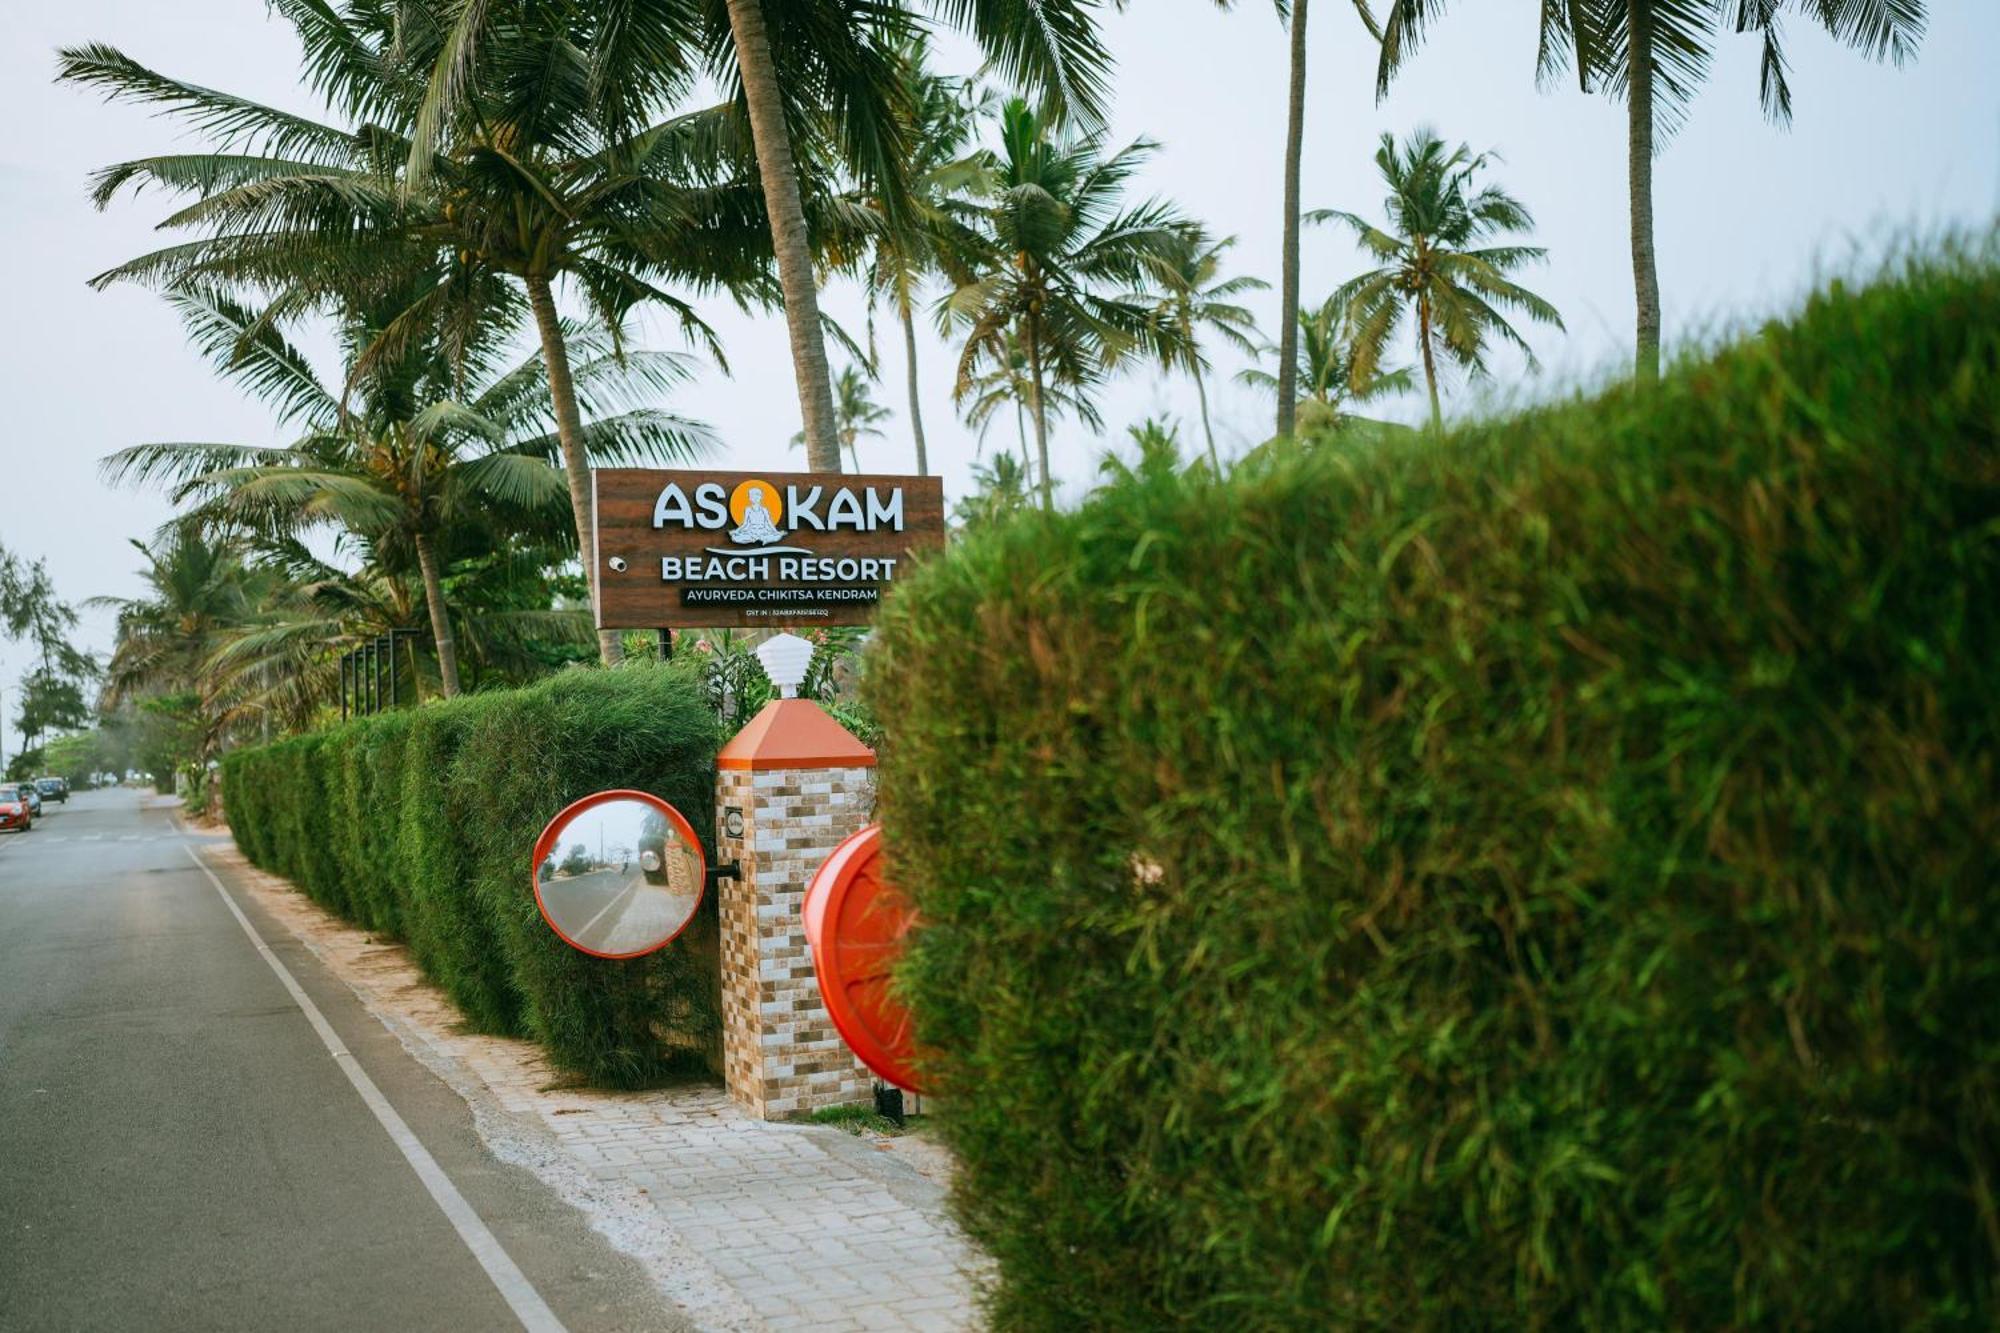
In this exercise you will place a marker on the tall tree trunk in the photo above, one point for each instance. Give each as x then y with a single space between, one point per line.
1639 147
447 645
789 241
916 408
576 465
1430 361
417 677
1040 411
1201 396
1288 279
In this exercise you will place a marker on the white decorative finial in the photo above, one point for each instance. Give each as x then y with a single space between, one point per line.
786 658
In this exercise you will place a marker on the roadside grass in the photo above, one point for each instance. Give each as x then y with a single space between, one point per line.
861 1120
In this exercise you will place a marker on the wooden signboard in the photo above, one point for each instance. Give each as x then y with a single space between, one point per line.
715 550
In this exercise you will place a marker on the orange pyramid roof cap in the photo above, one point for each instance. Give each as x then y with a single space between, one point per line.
794 733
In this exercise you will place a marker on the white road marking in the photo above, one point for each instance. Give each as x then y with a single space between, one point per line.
512 1283
43 839
618 899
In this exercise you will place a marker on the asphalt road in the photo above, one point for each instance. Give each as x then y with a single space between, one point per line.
180 1148
615 912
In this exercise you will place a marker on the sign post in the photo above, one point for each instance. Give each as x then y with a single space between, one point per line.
736 550
787 552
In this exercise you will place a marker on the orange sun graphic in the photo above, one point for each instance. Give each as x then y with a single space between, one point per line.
772 499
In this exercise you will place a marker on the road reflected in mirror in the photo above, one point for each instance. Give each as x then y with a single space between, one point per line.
619 874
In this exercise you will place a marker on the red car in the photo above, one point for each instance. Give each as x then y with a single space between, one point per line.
15 812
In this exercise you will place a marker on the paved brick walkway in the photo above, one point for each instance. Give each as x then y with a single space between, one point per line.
745 1224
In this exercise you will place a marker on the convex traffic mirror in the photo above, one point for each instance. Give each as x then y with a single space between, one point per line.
619 874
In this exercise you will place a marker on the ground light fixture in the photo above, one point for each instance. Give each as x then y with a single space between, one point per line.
786 658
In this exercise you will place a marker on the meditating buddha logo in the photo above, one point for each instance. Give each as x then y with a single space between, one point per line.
755 506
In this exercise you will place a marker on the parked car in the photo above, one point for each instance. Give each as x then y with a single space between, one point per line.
53 789
15 813
31 796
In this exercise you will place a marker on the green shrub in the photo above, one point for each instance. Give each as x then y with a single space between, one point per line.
1544 877
419 825
626 1024
456 944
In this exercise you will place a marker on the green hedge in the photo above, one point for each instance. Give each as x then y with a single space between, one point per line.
419 825
1544 877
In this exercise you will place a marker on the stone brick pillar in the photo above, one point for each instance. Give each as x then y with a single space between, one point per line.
789 788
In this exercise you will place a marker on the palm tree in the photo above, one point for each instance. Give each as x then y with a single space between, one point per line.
1326 374
1434 263
283 666
1293 12
197 589
809 76
924 232
1049 46
1063 266
818 84
1194 299
790 242
856 414
1005 385
411 456
549 167
1656 54
1001 489
1159 449
30 609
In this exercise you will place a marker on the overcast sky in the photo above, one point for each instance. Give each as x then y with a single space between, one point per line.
1747 215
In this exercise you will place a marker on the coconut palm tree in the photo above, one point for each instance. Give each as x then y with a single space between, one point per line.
924 232
197 588
818 85
1195 299
835 56
1006 386
1656 55
1001 488
1435 265
1157 445
1326 374
1293 14
411 450
282 668
856 414
200 591
551 167
852 71
1063 267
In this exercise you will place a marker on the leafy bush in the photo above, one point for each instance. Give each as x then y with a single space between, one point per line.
1543 877
419 825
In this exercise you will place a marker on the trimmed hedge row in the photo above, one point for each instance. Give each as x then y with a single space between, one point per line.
1543 877
419 825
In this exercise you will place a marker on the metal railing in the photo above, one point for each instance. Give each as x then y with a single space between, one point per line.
362 671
